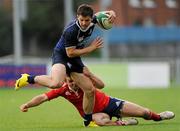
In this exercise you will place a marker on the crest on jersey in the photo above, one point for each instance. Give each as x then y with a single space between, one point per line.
69 65
90 31
81 38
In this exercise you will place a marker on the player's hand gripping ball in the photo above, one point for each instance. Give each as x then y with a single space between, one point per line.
103 22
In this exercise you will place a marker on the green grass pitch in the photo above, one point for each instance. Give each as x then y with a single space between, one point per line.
60 115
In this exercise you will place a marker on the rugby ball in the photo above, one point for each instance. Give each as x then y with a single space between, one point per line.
102 19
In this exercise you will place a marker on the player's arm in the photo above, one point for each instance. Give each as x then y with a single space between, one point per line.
98 83
37 100
73 52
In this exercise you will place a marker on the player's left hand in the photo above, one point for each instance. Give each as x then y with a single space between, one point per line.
112 16
24 108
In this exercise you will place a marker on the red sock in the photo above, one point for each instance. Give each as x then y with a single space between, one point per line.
154 116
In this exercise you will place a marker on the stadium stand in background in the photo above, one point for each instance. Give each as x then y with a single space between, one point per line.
145 31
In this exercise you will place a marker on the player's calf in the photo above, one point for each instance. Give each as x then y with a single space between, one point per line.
149 115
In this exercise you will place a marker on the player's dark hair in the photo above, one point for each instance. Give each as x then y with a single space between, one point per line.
85 10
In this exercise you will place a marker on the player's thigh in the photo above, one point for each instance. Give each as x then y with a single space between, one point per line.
132 109
82 81
98 83
58 72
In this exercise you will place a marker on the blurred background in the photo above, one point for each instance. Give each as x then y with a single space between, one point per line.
141 50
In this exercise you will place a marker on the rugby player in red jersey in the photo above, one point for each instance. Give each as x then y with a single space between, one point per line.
105 107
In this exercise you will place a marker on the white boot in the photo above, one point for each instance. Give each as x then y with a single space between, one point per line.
132 121
167 115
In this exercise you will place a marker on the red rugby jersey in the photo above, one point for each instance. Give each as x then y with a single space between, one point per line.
101 99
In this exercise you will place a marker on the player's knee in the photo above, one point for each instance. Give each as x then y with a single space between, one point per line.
99 121
102 121
54 85
101 86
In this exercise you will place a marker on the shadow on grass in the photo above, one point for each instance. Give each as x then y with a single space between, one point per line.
160 123
105 128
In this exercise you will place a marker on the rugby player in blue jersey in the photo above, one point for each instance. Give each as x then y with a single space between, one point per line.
66 54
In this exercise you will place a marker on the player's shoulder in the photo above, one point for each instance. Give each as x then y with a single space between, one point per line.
71 27
61 89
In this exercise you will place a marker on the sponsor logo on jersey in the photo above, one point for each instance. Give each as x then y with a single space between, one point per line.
90 31
69 65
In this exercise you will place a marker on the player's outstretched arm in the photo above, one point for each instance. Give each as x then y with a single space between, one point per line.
37 100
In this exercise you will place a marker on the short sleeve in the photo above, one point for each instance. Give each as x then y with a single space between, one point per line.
54 93
70 37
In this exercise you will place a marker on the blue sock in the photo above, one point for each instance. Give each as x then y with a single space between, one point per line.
31 79
87 119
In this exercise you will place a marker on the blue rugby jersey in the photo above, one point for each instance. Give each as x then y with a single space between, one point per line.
73 35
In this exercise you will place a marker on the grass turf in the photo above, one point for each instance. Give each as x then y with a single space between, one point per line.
60 115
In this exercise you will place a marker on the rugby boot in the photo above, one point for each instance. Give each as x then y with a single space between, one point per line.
21 82
166 115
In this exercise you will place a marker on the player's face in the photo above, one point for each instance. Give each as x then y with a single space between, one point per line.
70 82
84 21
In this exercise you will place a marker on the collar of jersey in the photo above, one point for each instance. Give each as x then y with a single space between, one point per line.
71 89
77 23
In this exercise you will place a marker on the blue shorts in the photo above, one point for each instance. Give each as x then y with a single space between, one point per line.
72 64
114 107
